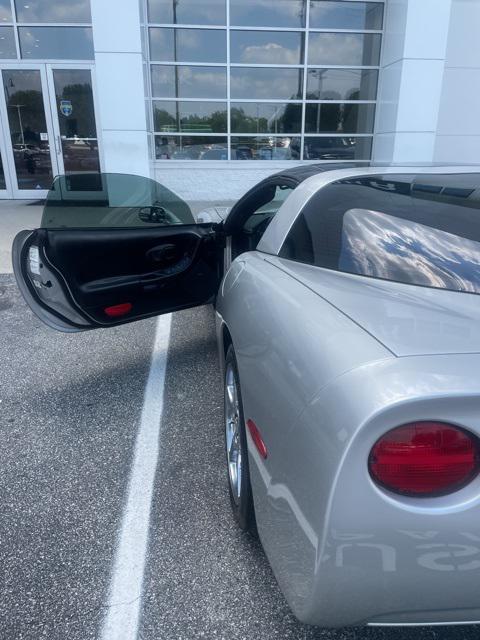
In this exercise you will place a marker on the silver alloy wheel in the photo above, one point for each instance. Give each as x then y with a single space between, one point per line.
232 433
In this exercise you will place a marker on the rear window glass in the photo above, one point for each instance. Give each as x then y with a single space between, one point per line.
112 200
422 230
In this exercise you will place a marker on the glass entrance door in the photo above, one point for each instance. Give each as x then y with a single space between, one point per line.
30 130
74 120
52 130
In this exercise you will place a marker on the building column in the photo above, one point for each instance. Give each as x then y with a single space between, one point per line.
413 61
120 88
458 131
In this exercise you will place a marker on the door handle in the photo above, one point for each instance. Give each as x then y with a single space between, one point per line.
58 141
163 255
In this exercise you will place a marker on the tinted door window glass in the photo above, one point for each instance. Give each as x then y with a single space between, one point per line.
421 230
112 200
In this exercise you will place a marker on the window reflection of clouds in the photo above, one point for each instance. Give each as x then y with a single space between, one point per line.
344 49
187 11
265 47
193 45
202 82
267 13
5 11
345 15
56 43
53 11
202 45
273 84
7 43
193 82
382 246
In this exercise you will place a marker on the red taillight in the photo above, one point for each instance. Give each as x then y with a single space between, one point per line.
425 459
118 309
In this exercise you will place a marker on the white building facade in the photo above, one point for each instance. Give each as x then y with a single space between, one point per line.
209 96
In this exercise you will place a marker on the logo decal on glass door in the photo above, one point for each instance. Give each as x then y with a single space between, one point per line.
66 107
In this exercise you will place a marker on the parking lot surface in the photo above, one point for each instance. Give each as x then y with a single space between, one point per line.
70 408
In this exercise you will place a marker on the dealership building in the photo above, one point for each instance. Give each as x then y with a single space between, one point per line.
209 96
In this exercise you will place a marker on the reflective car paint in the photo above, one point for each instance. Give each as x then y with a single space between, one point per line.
408 320
345 552
329 362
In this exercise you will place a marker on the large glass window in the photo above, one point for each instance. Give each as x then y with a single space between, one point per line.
190 117
333 117
266 47
187 11
267 13
337 148
328 14
253 94
54 11
265 148
344 49
265 83
7 43
189 82
342 84
191 147
5 11
188 45
56 43
269 117
46 30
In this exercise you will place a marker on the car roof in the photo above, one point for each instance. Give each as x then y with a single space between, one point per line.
301 172
276 232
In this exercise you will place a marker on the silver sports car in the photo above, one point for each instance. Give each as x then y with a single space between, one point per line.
348 331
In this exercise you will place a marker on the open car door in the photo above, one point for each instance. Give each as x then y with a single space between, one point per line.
113 248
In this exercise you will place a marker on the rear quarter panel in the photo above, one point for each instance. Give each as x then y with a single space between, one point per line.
386 558
289 344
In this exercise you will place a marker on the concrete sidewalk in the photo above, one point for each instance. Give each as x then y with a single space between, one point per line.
16 215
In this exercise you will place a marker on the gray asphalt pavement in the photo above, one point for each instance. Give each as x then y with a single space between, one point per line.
70 407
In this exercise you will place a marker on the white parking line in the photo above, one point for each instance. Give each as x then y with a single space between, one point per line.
125 598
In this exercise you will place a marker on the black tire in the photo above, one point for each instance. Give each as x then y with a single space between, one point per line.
242 504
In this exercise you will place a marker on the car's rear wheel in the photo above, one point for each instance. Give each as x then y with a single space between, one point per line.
236 447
